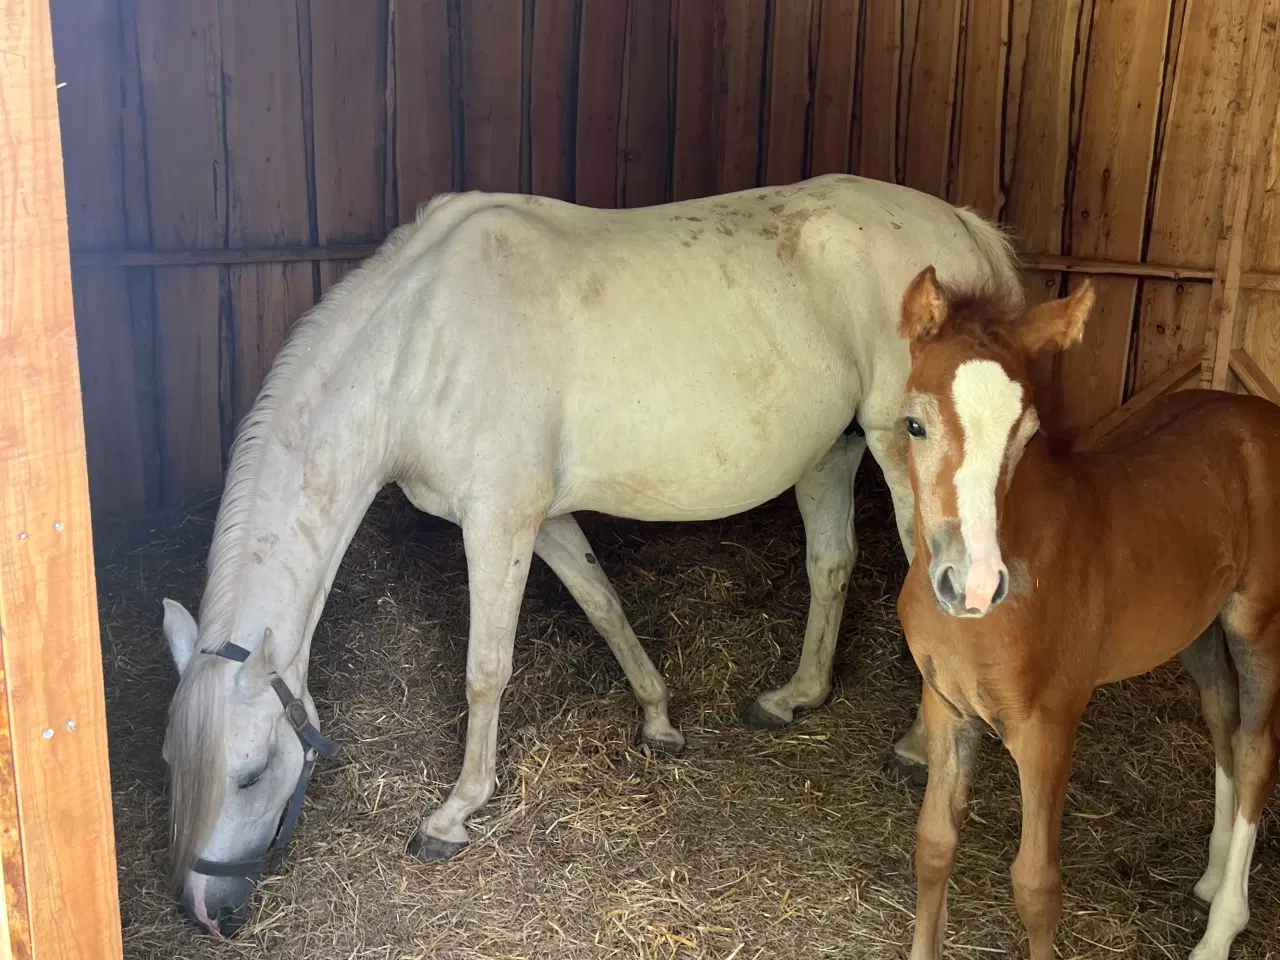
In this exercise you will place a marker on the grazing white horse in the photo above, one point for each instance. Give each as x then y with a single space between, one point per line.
508 360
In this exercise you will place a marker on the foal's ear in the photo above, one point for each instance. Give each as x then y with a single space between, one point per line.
181 631
924 307
254 675
1057 324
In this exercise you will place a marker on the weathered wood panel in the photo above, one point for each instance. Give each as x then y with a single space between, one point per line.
787 116
57 853
600 99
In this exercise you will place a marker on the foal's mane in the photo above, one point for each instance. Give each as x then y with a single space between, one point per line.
197 714
983 315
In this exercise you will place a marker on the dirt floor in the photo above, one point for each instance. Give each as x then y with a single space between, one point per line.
752 845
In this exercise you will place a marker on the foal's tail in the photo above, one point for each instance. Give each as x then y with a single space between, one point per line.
996 248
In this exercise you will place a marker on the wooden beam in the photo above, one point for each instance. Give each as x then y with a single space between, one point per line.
1252 377
1119 268
60 896
1175 375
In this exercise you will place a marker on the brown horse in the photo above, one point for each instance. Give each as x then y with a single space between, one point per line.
1040 574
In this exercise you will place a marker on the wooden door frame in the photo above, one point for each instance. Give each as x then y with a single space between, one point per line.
57 842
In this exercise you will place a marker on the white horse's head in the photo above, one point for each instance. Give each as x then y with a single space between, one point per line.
240 748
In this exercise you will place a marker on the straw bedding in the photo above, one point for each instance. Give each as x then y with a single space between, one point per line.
752 845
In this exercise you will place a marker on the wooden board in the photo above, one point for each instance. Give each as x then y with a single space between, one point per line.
647 135
835 75
602 52
423 120
179 53
57 855
348 77
491 47
741 86
1109 192
267 187
787 115
553 97
877 129
929 69
1189 191
693 160
974 179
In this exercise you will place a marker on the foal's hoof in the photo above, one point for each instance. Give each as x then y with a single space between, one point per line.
663 748
431 849
907 771
1198 905
756 717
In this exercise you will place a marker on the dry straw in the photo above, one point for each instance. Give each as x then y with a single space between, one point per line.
791 845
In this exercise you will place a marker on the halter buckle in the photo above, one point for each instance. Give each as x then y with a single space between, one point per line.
296 714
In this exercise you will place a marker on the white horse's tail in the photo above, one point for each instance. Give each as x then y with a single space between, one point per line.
996 247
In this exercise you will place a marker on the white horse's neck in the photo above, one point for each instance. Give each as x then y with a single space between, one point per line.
306 465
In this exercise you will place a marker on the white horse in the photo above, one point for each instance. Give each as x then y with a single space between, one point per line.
508 360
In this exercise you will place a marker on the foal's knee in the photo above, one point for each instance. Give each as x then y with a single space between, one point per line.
1037 893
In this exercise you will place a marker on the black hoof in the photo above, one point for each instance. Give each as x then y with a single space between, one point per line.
915 774
756 717
429 849
1198 906
662 749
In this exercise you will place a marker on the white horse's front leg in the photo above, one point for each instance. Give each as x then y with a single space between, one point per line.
825 496
563 546
499 551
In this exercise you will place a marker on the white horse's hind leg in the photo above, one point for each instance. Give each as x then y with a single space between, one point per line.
564 547
499 551
825 496
889 447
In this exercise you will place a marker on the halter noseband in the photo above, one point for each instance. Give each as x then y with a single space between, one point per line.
313 744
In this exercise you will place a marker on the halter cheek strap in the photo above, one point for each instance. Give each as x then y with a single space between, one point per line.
314 744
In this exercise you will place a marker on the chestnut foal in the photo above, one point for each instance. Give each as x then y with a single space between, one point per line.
1039 575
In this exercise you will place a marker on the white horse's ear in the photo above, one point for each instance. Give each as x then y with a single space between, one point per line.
254 676
181 631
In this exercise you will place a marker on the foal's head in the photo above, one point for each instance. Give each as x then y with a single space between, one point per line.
969 413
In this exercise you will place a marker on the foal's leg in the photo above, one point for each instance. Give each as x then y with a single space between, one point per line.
889 447
564 547
1255 751
825 496
1042 751
1208 663
953 746
499 550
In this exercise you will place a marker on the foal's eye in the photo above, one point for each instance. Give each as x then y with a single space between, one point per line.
249 781
915 428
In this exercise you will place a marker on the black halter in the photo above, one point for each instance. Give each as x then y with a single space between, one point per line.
313 744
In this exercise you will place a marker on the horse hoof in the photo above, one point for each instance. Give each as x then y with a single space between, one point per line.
907 771
663 749
431 849
756 717
1198 905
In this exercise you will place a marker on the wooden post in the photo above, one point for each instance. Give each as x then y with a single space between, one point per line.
56 838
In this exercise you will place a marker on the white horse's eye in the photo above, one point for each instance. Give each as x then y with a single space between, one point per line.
249 781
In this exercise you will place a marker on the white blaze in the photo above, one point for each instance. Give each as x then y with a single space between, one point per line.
987 403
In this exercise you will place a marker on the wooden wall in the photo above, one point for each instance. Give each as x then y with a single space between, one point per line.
226 160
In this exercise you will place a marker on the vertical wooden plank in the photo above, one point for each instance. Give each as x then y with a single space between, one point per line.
179 53
1109 195
60 896
648 92
879 68
553 97
602 50
87 39
693 163
930 76
491 41
267 186
787 117
1190 185
348 80
741 51
833 87
423 129
1038 118
975 155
